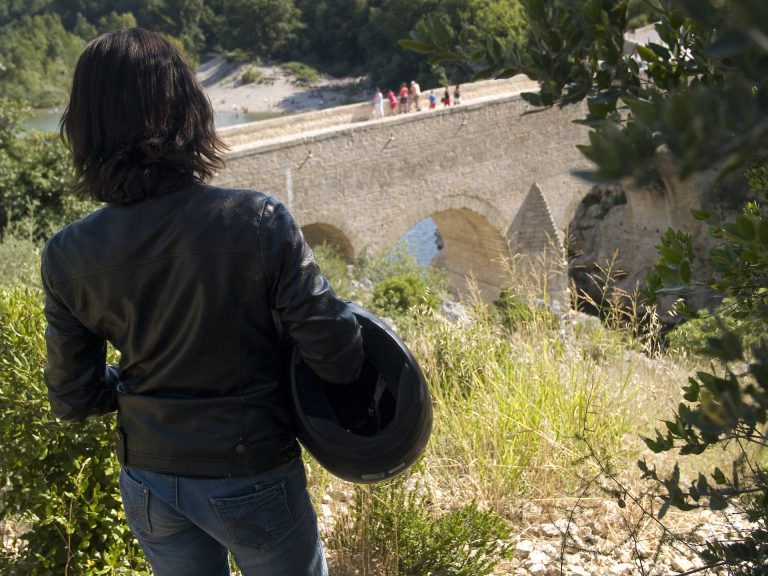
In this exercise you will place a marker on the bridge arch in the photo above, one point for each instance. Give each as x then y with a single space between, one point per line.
473 234
318 233
473 248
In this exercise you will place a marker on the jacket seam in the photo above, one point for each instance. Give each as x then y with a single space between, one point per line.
261 250
147 261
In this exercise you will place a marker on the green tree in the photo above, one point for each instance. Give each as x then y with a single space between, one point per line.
115 21
11 10
35 172
330 33
37 56
695 100
262 28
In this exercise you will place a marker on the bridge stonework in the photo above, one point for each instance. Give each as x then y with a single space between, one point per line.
363 185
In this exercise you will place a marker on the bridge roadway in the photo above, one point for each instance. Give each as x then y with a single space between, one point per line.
494 174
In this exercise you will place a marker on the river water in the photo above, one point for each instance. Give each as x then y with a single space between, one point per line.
48 120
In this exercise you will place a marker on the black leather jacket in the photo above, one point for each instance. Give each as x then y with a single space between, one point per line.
190 287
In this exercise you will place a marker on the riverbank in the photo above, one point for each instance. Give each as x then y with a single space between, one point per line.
276 90
234 102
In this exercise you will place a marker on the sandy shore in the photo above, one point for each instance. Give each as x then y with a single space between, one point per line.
277 93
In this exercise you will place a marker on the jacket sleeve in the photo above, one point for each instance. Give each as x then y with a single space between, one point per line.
322 326
80 384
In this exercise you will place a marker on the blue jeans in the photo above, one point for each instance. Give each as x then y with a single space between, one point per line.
186 525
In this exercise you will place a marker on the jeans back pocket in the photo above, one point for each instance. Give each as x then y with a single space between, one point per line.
136 503
258 518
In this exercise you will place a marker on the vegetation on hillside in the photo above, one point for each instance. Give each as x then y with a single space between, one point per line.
40 40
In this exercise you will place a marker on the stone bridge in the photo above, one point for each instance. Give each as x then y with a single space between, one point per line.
494 175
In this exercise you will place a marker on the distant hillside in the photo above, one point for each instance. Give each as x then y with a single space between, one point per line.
40 39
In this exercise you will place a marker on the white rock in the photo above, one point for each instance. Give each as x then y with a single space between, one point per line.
549 549
574 570
523 549
681 564
550 531
565 526
643 551
538 557
622 569
537 569
455 312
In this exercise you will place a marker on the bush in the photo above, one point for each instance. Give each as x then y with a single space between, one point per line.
252 75
396 295
335 268
60 480
512 310
393 529
693 336
35 176
304 74
19 258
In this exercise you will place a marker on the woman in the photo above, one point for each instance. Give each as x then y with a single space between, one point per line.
192 284
403 99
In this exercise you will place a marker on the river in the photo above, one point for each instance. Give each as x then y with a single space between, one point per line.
48 120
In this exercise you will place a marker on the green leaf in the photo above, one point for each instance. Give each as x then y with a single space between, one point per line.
746 228
691 391
717 501
718 476
685 272
446 56
702 215
647 54
762 231
416 46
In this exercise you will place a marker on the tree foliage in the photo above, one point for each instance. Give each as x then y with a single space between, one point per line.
59 480
35 172
698 94
41 39
694 99
37 56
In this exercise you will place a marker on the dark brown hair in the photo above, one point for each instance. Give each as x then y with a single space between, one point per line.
138 123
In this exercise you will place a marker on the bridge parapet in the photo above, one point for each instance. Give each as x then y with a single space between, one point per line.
247 135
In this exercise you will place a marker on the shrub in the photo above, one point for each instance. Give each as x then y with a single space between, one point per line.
335 268
252 75
394 528
396 295
19 258
35 175
726 404
693 336
60 480
304 74
512 310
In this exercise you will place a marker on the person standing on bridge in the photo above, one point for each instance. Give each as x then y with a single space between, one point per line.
392 102
415 95
192 283
378 103
403 99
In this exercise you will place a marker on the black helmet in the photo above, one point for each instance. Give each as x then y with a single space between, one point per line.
375 427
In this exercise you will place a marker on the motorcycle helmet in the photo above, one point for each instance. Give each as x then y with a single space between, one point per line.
375 427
